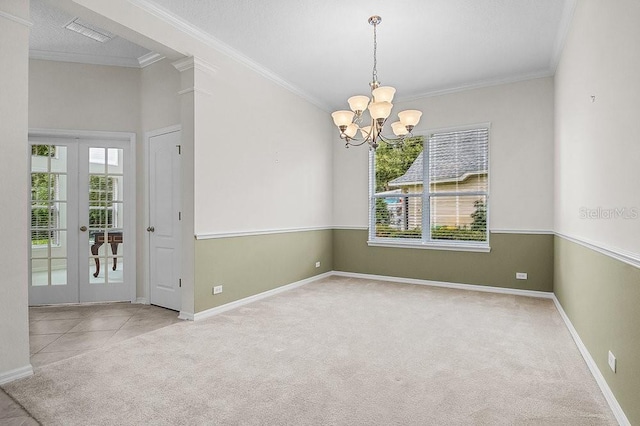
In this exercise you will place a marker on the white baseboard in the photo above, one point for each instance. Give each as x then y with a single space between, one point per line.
472 287
232 305
593 367
142 301
188 316
18 373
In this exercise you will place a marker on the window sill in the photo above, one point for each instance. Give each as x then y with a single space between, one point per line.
478 248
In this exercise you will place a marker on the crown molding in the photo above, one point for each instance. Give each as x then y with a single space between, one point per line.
197 63
149 58
17 19
206 38
563 32
478 85
84 59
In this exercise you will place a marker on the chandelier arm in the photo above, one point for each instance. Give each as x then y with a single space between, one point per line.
350 143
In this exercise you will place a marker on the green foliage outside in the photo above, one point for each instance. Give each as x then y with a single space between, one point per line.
477 231
382 212
389 232
457 233
479 216
42 215
43 150
101 191
392 162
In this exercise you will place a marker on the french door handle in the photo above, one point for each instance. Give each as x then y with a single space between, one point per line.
83 228
151 229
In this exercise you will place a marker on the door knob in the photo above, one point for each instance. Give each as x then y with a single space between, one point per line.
83 228
151 229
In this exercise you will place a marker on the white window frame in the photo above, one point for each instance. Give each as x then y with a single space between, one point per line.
426 242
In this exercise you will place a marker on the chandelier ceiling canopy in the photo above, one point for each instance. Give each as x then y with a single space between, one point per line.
379 107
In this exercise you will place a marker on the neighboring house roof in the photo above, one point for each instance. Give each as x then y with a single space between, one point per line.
455 164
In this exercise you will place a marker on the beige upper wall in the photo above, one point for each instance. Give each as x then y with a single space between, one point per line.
14 319
160 103
64 95
597 151
262 153
520 153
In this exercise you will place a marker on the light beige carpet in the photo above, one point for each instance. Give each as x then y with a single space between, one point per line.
335 352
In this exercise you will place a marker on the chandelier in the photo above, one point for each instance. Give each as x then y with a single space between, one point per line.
379 106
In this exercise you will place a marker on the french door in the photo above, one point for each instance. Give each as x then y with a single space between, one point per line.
81 220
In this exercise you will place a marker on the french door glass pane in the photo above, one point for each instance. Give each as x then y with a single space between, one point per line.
39 272
106 215
48 215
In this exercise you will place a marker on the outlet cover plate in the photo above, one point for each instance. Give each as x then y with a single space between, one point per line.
521 275
217 289
317 264
612 362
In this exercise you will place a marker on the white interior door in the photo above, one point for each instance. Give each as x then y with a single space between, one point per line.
164 220
81 219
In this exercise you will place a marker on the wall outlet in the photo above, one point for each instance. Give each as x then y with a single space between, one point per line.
612 362
317 264
521 275
217 289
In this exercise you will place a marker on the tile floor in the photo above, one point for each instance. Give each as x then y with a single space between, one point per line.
60 332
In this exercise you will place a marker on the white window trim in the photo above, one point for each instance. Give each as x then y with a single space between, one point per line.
469 246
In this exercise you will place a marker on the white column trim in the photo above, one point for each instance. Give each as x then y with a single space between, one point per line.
194 90
197 63
15 374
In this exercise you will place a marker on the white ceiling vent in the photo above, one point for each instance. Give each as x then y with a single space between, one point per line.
86 29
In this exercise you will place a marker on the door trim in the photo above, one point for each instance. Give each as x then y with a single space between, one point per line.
130 182
145 298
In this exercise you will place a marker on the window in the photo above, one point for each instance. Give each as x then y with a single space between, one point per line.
432 191
45 198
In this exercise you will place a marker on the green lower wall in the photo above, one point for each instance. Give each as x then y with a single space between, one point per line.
599 294
601 297
510 253
249 265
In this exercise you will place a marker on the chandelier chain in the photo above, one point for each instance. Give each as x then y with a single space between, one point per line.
375 58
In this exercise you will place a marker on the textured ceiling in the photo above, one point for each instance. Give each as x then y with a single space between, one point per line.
50 40
324 49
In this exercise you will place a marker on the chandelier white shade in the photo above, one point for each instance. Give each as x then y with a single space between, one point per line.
379 106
